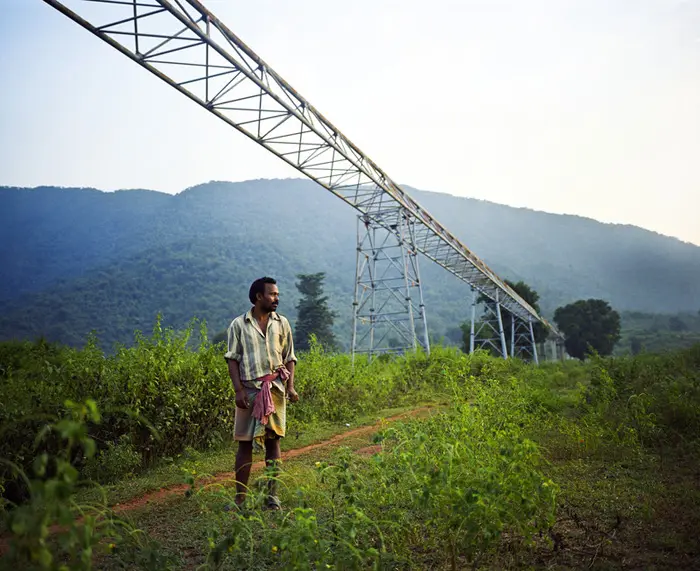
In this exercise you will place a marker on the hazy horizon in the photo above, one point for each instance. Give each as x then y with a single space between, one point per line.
411 187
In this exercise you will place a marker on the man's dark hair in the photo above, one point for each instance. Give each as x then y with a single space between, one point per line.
258 287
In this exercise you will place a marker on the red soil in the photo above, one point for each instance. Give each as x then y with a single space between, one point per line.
229 477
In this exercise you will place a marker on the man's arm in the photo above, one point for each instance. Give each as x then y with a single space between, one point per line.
289 361
235 374
291 393
233 357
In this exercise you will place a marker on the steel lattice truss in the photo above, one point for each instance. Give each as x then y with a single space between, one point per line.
522 341
488 332
186 46
388 304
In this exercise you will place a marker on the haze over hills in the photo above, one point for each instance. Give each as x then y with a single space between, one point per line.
80 259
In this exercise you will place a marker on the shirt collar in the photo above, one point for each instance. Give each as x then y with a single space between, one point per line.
273 315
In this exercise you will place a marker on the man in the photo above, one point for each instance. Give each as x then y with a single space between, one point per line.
261 365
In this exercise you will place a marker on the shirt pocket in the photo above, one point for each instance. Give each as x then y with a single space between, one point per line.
276 349
276 355
279 336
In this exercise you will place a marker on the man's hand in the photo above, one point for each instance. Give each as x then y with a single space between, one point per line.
292 395
242 399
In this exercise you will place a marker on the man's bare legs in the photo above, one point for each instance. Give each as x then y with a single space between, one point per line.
272 460
244 460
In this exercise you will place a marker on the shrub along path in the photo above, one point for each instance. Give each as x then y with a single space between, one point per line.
228 478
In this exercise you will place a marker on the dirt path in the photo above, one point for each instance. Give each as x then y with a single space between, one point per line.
223 477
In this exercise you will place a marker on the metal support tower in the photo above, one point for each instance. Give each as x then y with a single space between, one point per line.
183 44
472 333
522 340
488 331
388 309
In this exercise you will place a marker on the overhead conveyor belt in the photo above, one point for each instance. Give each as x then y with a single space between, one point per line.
185 45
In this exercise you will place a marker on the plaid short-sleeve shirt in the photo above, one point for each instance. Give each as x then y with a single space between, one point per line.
259 354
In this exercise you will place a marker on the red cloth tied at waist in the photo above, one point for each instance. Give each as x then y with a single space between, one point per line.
264 406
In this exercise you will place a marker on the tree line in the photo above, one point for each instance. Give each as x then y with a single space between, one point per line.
588 325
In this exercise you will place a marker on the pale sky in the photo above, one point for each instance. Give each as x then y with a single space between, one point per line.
588 107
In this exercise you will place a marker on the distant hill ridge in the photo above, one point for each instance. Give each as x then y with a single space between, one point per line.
77 259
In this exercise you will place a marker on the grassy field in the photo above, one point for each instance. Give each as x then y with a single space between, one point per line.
564 466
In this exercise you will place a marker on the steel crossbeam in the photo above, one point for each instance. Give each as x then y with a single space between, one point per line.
185 45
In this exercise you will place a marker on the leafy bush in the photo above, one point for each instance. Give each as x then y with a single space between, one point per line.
171 391
454 483
161 395
621 406
113 462
670 385
51 531
335 390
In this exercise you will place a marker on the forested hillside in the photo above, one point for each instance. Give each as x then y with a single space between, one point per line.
80 259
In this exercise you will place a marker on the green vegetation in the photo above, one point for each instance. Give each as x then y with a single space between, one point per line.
77 260
156 398
313 316
166 393
177 281
590 326
566 465
656 333
52 530
444 489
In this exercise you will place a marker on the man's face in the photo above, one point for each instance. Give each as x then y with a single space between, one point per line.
270 299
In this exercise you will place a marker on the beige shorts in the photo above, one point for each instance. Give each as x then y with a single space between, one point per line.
246 428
